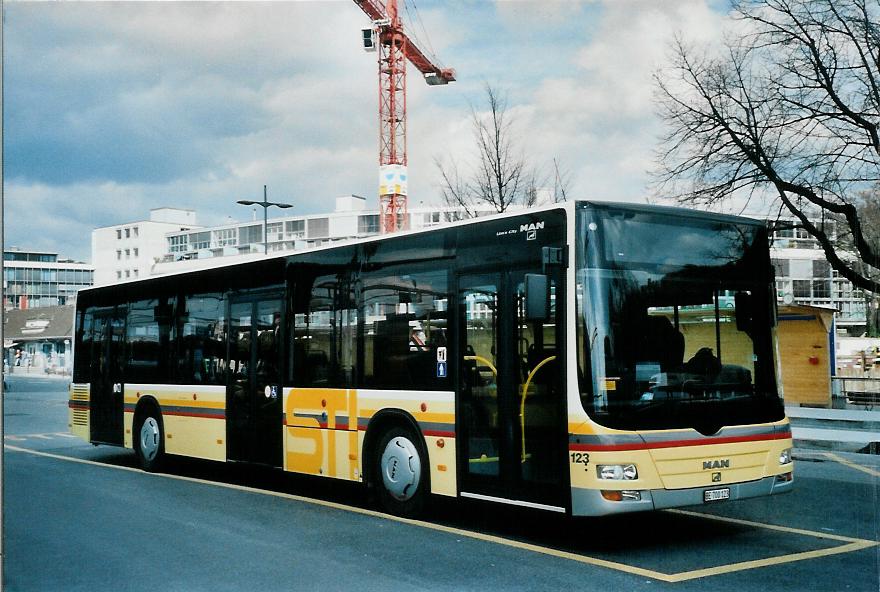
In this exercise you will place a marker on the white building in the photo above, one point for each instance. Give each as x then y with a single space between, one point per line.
127 251
804 276
34 279
195 248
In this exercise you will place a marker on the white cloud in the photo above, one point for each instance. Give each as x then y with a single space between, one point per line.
114 108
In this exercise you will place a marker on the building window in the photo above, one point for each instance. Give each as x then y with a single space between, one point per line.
821 288
250 234
135 230
127 273
295 228
200 240
821 268
781 266
318 227
127 253
225 237
135 273
368 224
801 288
118 275
118 254
135 251
128 233
178 244
118 233
275 231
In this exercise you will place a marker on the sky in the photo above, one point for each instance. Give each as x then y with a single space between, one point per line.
112 108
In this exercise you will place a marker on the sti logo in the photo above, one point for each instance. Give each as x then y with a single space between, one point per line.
716 464
531 230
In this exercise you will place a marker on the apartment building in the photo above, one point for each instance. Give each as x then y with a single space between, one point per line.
804 276
35 279
130 250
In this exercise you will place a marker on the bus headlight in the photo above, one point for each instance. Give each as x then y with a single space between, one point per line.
617 472
785 457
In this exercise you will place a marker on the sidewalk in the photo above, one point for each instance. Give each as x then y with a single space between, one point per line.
844 430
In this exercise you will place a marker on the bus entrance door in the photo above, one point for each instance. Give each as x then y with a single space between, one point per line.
253 396
512 408
107 382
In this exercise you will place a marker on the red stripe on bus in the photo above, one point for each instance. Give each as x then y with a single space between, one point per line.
438 433
675 443
194 414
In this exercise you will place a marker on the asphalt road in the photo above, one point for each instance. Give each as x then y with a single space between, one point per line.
78 517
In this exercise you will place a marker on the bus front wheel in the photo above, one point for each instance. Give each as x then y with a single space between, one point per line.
401 476
149 441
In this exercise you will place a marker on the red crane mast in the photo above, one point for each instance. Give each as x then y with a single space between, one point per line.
395 47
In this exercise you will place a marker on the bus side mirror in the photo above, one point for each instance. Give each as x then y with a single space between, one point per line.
537 297
744 313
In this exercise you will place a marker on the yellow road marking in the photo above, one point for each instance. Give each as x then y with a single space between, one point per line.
852 465
786 529
853 544
778 560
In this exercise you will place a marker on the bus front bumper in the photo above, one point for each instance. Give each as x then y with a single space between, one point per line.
590 502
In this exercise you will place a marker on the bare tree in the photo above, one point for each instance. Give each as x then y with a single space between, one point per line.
868 206
500 175
789 111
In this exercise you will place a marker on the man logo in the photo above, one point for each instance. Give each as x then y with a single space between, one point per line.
533 226
716 477
716 464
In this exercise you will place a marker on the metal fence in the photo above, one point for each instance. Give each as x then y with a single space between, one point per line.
862 390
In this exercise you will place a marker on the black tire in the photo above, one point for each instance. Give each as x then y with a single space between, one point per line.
149 440
401 478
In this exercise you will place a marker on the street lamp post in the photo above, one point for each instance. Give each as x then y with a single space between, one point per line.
265 205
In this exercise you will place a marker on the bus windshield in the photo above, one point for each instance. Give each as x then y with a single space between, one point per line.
675 319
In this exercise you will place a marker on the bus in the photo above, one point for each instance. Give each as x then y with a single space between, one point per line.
587 358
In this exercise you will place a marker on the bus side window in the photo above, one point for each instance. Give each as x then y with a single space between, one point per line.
325 333
405 321
147 337
200 336
83 345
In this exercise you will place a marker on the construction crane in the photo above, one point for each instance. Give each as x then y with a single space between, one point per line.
395 47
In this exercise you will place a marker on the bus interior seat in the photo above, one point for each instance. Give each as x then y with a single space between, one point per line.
317 365
535 356
663 343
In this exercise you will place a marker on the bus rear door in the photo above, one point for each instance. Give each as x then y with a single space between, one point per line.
107 376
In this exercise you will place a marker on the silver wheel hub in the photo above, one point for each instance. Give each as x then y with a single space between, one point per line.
149 438
401 468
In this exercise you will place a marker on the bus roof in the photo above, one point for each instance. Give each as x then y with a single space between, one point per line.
570 206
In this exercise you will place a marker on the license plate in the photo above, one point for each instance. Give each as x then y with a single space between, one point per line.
716 495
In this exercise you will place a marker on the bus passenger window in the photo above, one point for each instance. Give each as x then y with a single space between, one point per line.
325 334
405 319
148 329
201 339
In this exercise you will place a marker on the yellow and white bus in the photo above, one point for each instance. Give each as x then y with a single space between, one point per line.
585 358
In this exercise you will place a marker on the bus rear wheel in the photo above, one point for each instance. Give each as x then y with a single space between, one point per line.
400 473
149 440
